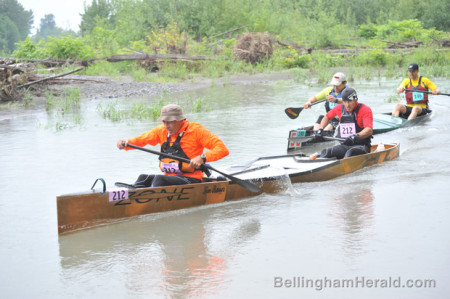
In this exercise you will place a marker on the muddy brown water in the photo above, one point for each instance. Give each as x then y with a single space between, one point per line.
381 232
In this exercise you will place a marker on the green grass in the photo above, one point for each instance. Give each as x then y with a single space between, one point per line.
63 111
367 65
115 111
138 110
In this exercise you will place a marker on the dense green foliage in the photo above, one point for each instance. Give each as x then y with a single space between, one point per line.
15 23
189 26
96 12
9 33
135 19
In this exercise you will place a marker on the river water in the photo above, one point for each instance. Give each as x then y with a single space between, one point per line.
383 229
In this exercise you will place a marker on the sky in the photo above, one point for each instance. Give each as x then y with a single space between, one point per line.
66 12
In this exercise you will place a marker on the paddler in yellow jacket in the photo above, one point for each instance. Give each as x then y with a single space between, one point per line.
181 138
416 90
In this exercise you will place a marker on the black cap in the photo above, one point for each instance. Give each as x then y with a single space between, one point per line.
349 94
413 67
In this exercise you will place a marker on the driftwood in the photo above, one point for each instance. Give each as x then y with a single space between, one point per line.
18 68
445 43
10 75
227 32
49 78
49 62
253 47
147 56
300 49
400 45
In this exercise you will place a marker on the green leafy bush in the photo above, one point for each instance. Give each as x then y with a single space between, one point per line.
68 47
375 57
59 48
30 50
368 31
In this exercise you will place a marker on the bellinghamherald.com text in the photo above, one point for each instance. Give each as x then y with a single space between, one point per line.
356 282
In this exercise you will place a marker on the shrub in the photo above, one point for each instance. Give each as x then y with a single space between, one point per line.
368 31
68 47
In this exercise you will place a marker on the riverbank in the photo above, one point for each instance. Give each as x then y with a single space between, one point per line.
103 87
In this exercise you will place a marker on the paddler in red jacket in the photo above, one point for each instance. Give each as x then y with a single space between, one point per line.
180 138
417 99
355 126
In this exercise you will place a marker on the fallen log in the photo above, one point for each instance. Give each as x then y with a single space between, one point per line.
49 78
300 49
18 68
49 62
399 45
146 56
227 32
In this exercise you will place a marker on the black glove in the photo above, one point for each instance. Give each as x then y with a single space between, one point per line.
319 134
351 140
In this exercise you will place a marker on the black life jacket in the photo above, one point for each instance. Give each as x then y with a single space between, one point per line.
174 150
349 118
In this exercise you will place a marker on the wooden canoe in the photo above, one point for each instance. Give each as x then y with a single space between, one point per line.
95 208
382 123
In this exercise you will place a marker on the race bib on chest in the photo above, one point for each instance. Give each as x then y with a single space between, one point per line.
417 96
171 167
347 129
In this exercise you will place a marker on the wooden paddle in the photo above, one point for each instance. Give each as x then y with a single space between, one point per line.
429 92
293 112
246 184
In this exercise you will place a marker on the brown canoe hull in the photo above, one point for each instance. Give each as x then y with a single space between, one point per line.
91 209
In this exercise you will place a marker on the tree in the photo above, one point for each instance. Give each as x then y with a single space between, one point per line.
9 34
435 14
48 27
23 19
98 10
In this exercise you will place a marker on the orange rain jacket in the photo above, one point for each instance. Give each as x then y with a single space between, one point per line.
194 141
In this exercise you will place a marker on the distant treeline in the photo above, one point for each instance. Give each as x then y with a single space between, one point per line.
294 20
291 19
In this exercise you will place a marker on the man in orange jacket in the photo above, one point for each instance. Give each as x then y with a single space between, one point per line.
181 138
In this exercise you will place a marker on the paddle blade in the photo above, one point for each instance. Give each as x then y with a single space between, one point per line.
246 184
293 113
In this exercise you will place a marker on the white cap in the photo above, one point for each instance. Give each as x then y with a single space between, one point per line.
338 78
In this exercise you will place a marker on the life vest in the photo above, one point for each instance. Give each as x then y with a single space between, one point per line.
348 125
172 166
328 104
416 97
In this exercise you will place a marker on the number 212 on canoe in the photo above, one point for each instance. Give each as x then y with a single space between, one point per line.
118 194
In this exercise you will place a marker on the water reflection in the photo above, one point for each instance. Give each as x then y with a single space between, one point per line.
186 256
354 212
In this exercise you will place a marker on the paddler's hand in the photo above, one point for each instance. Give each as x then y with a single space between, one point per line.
196 162
319 134
122 143
351 140
401 89
435 91
307 105
331 99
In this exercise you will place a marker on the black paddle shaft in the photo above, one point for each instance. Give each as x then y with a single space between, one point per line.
246 184
429 92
